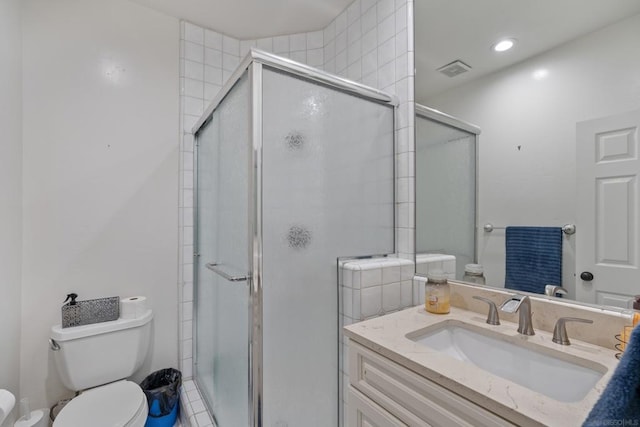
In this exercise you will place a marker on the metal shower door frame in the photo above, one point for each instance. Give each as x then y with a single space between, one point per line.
255 250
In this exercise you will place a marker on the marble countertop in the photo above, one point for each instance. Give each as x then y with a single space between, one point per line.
386 335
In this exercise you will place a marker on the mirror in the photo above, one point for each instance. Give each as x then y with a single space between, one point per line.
562 102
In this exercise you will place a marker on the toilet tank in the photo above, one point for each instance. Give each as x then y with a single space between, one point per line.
100 353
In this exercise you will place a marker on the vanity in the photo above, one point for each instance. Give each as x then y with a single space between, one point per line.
420 369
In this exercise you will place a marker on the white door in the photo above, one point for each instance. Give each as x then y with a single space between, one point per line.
607 238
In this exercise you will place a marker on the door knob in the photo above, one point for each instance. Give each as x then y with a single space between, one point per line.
586 276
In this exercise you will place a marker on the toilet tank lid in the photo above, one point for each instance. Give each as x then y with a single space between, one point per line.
59 333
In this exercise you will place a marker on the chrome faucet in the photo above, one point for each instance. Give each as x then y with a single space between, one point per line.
552 290
521 304
492 316
560 335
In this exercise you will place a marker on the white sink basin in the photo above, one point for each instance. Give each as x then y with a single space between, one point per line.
552 373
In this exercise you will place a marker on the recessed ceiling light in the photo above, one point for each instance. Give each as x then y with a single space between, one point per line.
503 45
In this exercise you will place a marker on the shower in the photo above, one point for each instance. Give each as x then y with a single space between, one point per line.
294 169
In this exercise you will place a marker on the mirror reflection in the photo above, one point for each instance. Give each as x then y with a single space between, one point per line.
559 113
446 153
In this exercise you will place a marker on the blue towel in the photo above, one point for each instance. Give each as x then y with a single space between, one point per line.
533 258
619 404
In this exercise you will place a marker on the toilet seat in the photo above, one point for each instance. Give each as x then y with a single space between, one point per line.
122 403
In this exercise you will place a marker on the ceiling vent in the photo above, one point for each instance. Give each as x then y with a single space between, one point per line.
454 68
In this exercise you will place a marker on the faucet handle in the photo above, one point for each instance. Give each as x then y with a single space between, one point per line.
552 290
492 317
560 335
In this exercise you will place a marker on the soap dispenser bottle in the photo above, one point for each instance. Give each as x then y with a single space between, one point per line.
437 293
71 315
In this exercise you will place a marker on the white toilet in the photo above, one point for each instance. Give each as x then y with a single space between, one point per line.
95 359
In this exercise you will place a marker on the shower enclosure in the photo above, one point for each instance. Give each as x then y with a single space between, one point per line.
294 169
446 172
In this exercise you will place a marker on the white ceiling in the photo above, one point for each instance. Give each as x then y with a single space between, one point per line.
447 30
253 19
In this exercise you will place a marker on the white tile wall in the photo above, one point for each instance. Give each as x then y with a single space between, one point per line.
371 288
192 409
372 42
369 42
374 287
429 262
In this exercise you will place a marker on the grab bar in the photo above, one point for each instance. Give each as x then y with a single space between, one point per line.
567 229
216 269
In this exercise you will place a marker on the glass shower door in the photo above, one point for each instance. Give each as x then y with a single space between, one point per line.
222 265
327 192
446 172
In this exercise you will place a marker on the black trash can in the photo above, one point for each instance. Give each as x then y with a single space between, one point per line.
162 389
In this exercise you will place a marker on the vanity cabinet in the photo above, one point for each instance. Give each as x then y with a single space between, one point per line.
384 394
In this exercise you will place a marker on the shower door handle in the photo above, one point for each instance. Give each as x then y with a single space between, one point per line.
216 269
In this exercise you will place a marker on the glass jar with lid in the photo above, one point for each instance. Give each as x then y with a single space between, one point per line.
474 273
437 293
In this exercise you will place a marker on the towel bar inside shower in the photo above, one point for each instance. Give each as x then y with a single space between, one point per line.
216 268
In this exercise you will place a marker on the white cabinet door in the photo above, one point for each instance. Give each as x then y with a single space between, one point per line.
363 412
607 238
411 398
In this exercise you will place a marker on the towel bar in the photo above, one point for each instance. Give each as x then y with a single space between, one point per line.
567 229
215 267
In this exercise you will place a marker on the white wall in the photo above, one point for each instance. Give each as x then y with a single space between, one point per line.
594 76
101 153
10 192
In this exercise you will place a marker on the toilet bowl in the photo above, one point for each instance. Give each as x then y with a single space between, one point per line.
122 403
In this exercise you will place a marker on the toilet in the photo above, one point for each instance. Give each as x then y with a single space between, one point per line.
96 360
